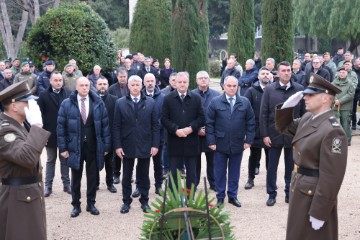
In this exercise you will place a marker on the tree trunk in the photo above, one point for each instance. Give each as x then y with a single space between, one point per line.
21 31
56 3
36 10
354 43
6 30
12 47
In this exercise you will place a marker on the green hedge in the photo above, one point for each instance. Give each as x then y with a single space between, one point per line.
73 30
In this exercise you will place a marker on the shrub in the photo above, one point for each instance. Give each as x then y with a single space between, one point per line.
73 30
214 68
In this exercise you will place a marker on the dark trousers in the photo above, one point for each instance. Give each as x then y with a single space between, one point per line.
254 160
108 158
354 108
177 162
209 169
89 157
157 160
142 175
230 163
271 176
117 165
52 153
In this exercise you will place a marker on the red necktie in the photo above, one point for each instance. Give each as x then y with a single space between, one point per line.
83 110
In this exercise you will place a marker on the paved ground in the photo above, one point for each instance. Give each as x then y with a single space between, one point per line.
254 220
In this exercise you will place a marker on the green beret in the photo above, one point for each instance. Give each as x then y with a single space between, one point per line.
24 63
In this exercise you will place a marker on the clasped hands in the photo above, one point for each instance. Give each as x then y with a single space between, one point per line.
183 132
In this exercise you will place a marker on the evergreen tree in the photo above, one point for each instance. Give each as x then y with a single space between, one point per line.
150 30
277 30
73 30
241 35
189 35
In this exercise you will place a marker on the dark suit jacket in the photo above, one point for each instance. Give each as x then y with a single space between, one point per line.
142 72
49 103
178 114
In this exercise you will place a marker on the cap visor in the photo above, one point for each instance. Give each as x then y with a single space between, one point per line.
312 91
27 98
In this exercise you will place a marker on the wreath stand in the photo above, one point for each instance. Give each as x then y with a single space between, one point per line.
185 214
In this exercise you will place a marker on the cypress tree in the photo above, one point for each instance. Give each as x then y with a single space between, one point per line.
189 35
277 30
241 34
150 30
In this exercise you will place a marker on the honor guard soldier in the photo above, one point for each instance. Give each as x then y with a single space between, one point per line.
22 208
320 153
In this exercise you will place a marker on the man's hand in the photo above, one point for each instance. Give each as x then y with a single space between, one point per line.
316 224
65 154
33 113
120 153
212 147
201 132
187 130
337 102
154 151
246 146
267 141
293 100
180 133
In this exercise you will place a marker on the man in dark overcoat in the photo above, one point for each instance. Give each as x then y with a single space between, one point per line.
22 208
320 154
136 135
206 94
49 102
183 116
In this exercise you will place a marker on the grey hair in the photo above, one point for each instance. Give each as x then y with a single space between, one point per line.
202 73
183 74
250 61
135 78
229 77
271 60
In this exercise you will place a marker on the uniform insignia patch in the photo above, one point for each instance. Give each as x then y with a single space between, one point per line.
10 137
5 124
336 145
334 122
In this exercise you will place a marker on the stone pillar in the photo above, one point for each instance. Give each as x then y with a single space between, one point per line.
132 5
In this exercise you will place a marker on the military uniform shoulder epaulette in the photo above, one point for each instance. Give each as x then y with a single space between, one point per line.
4 123
334 122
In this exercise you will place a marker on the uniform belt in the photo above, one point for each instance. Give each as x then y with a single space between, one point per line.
20 181
306 171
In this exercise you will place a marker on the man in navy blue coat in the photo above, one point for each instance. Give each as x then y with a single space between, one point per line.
206 94
83 136
230 129
136 135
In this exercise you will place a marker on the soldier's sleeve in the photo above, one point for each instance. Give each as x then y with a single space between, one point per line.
25 153
284 121
333 157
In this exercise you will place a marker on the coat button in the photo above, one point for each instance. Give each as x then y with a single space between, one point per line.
299 153
28 198
310 192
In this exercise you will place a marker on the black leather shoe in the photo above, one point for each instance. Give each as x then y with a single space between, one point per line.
92 209
235 202
116 180
353 127
136 193
48 192
112 188
257 171
271 202
249 184
220 202
67 189
158 190
145 207
75 212
287 199
125 208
